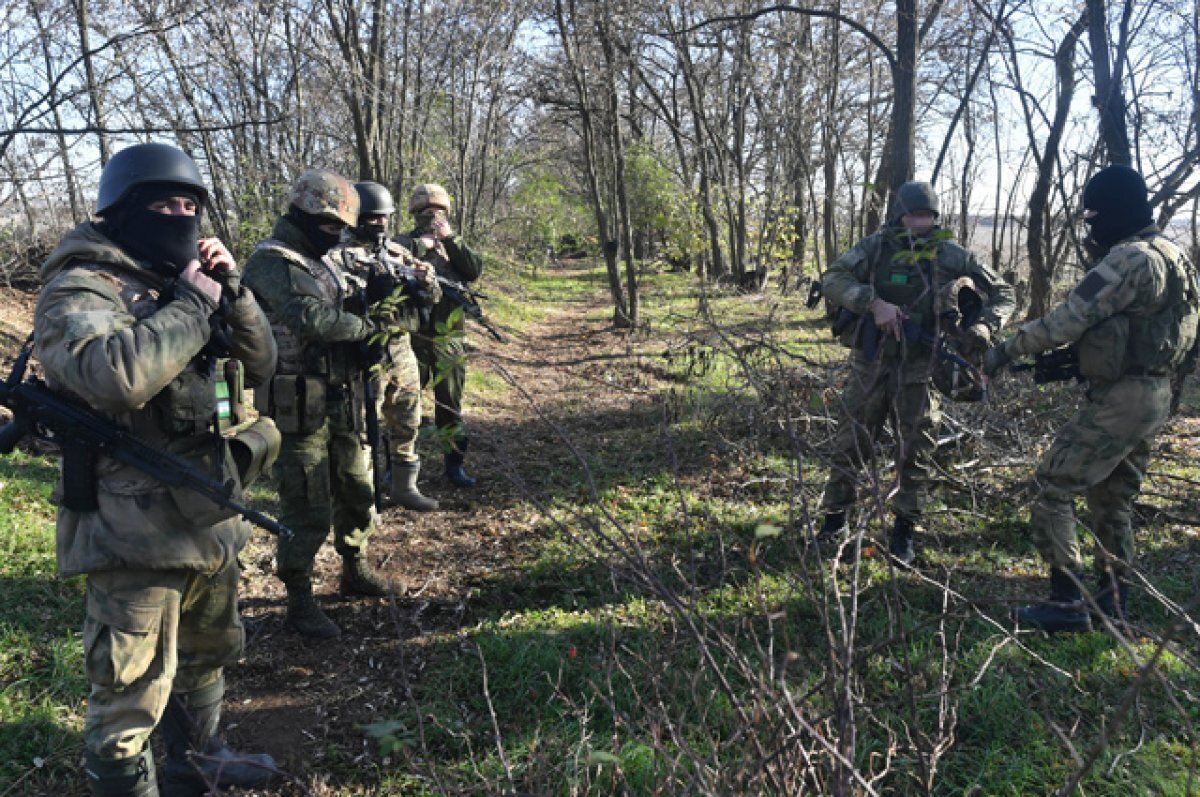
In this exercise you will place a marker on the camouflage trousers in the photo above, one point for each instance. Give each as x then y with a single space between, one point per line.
1102 453
444 363
324 478
148 633
400 402
887 389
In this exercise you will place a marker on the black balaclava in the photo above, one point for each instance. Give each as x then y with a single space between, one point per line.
372 235
1117 194
310 226
166 242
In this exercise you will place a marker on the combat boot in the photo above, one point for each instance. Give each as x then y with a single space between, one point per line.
1065 611
455 472
404 491
303 614
198 761
902 543
833 530
360 578
121 777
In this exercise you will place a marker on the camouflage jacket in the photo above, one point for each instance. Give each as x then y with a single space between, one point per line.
1132 284
106 334
304 298
451 259
888 265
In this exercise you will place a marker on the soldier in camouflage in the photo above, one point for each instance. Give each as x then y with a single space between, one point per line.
316 397
886 279
434 241
1134 319
368 256
125 324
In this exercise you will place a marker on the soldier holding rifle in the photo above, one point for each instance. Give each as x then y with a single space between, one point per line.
1133 321
148 324
890 282
388 272
316 398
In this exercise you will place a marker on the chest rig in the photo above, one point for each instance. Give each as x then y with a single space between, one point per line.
906 277
206 396
295 357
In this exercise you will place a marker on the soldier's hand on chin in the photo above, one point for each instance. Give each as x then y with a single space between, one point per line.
994 359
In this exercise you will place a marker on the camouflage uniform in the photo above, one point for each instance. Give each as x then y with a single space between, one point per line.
323 471
399 395
1130 345
897 383
454 260
161 564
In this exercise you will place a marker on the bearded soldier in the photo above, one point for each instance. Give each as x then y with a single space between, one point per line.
383 266
128 323
434 241
890 281
1134 320
316 397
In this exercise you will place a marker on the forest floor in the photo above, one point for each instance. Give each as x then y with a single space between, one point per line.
625 603
306 702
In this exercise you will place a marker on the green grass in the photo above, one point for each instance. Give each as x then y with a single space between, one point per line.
656 640
41 666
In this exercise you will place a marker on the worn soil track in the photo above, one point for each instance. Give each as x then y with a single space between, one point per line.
305 703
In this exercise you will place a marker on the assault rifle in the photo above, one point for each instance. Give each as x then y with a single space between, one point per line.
913 333
377 438
464 296
468 299
85 434
381 280
1056 365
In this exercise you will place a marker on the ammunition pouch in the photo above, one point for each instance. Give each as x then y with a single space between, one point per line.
296 403
79 476
198 510
255 448
1103 350
846 327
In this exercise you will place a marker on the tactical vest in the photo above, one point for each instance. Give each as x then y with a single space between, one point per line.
207 391
295 356
905 279
1153 343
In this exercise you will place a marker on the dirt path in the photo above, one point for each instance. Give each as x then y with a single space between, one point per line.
304 702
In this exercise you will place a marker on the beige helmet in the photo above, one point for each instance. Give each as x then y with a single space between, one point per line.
428 194
323 193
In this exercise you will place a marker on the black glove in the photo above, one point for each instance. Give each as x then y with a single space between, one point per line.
380 285
994 359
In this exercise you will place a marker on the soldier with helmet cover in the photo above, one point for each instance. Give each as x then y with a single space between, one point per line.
434 241
384 267
1133 320
323 471
891 280
143 320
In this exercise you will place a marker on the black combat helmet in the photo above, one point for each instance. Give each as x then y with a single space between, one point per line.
912 197
374 200
146 163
